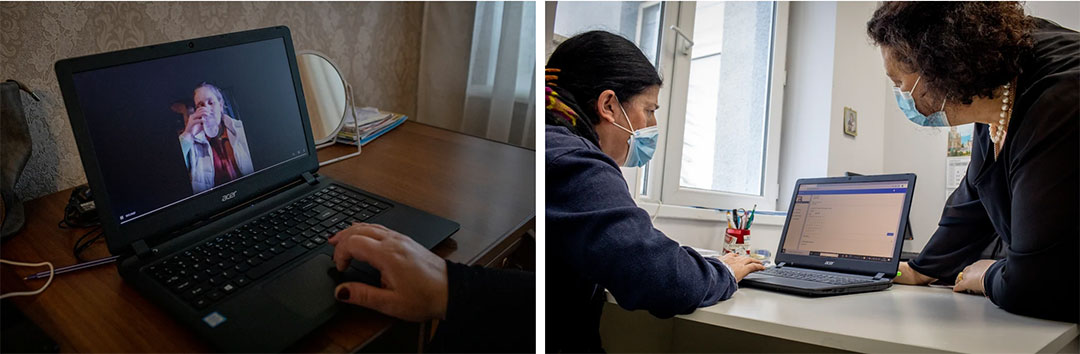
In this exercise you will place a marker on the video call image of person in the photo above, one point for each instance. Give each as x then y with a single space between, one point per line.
213 143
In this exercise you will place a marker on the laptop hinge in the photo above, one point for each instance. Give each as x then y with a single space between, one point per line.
142 250
309 178
780 265
878 276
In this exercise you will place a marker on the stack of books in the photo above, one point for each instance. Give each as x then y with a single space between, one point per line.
372 123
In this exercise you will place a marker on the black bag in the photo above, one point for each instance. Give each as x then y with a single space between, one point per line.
15 149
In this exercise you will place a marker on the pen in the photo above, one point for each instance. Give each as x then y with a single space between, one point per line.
750 220
729 225
73 267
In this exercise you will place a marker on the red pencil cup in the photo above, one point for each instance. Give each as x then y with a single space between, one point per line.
737 241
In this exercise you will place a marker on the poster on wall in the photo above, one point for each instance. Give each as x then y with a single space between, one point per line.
958 156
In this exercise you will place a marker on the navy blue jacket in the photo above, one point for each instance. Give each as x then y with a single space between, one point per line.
1029 195
598 238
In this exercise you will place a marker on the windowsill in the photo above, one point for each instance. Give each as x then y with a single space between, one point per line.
703 214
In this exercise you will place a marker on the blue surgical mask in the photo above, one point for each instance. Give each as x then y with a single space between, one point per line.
907 105
642 142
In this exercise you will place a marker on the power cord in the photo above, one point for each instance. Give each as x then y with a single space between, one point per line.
52 272
80 211
71 219
81 246
659 204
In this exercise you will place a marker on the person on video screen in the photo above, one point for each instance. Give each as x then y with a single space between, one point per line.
213 143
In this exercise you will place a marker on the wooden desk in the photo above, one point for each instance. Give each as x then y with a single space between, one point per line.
487 187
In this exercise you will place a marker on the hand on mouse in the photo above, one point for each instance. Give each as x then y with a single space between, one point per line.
741 265
414 280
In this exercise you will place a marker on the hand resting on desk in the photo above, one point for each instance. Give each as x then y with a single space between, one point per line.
909 276
970 279
414 280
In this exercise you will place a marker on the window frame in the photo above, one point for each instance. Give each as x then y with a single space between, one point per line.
644 182
674 97
641 17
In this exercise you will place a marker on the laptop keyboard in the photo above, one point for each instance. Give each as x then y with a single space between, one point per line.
813 276
219 266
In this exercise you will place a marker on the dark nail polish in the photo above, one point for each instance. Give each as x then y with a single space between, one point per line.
343 294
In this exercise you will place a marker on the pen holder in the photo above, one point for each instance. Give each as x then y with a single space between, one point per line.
737 241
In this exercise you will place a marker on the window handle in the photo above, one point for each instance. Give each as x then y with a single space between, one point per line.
690 42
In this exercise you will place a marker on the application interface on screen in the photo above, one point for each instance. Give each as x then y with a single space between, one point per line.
858 220
167 129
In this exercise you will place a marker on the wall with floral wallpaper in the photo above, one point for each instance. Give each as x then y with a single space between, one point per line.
375 45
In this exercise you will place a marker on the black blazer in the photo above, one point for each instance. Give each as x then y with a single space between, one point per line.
1029 195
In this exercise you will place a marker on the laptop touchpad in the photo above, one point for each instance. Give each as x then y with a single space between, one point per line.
307 290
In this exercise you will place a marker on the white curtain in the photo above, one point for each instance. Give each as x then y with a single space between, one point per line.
500 94
477 65
444 63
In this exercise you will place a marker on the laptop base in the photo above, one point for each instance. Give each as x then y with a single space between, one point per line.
808 288
275 311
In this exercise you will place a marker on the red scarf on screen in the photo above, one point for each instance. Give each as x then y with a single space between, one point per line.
225 166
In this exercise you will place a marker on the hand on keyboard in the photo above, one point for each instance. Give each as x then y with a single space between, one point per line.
741 265
415 285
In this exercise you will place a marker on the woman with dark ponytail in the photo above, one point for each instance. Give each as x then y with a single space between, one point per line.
601 99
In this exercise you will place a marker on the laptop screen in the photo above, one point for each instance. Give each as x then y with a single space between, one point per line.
168 129
854 220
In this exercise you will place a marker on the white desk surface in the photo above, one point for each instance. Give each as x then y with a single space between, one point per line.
899 319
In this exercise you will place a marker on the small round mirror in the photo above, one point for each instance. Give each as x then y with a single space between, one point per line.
324 91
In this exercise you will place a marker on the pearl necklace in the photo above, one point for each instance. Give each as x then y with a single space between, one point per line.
997 131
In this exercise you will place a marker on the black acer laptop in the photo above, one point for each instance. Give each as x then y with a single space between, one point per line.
204 171
842 235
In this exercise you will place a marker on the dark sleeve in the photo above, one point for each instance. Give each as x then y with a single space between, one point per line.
964 229
1039 277
594 226
488 310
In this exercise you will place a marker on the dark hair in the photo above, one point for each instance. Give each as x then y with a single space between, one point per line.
589 63
961 49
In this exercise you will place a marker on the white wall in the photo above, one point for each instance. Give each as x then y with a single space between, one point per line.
858 76
807 95
1065 13
831 65
602 15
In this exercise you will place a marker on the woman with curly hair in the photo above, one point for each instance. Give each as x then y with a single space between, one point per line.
601 98
1018 79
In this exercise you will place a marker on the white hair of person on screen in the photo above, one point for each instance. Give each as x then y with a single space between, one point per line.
214 145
